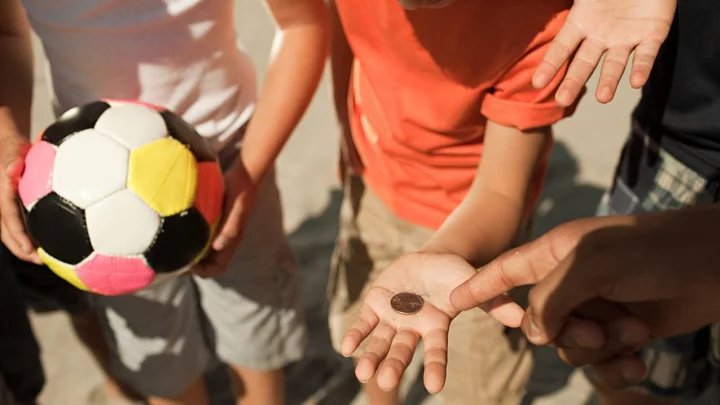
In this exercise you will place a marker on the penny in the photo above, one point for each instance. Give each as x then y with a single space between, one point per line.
406 303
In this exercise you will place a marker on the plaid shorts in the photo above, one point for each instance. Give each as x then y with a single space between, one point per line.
649 179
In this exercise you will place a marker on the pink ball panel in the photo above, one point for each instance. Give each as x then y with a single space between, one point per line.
109 275
36 180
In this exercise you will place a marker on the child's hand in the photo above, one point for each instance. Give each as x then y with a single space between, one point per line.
611 27
240 192
394 335
12 153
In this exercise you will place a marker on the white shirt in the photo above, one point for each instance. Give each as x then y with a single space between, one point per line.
179 54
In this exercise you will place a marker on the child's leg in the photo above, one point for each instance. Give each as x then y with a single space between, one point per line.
157 345
260 387
371 238
195 394
256 320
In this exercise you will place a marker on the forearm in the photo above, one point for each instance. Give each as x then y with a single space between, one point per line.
16 71
484 225
492 214
289 86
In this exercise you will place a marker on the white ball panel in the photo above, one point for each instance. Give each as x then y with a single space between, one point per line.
121 224
88 167
70 113
132 125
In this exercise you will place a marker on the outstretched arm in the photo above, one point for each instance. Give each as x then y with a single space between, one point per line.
16 82
289 86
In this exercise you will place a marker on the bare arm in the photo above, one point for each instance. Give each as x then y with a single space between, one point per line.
290 83
16 70
486 223
16 86
289 86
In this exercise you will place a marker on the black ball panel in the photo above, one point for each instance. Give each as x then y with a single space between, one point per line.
188 136
180 239
84 118
59 227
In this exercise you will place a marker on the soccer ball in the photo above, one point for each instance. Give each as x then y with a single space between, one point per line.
119 195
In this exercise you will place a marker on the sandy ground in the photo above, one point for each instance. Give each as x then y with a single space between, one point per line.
581 167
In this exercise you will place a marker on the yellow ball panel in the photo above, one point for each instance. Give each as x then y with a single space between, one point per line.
63 270
164 174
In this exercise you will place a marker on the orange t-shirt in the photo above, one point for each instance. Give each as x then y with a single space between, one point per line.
425 82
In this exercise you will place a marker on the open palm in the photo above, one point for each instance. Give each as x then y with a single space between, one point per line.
394 336
611 27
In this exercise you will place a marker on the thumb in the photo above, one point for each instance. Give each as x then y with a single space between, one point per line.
231 226
527 264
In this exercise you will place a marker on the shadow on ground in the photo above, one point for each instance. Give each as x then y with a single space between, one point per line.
323 377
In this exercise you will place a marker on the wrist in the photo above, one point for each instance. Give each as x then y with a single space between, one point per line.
8 132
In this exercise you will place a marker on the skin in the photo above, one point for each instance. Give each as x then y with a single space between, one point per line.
594 28
501 199
393 337
492 212
615 29
625 266
291 81
16 80
290 84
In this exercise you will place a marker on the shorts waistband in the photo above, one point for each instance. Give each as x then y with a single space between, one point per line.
645 160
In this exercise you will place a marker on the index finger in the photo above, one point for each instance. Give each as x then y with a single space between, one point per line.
525 265
559 51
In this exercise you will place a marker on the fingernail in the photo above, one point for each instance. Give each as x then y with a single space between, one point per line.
635 79
220 243
539 80
605 92
562 97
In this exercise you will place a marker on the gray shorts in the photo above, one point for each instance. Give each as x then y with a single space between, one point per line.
162 338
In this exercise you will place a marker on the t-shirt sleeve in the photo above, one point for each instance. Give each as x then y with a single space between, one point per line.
513 101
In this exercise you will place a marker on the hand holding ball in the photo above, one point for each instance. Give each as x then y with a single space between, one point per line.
119 195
